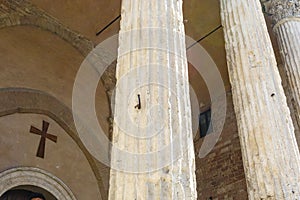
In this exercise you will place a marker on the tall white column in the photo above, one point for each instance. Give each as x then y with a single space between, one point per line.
285 15
270 153
152 153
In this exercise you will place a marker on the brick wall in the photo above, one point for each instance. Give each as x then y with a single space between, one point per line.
220 174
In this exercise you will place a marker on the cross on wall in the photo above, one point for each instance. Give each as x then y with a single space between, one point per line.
44 135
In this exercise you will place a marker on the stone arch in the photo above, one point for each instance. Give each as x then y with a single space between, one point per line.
24 13
23 100
36 177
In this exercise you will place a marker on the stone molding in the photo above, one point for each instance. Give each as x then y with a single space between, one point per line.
36 177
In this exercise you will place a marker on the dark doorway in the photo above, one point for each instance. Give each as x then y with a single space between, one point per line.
24 190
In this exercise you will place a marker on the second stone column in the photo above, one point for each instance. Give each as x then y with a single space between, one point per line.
270 153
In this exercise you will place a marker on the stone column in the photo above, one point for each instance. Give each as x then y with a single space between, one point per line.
285 16
152 153
269 149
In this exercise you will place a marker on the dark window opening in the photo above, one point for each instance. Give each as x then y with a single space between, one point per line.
204 123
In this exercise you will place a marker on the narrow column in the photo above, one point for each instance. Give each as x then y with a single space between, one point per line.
285 15
269 149
152 152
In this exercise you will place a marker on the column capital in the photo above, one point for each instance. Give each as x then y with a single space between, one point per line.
281 9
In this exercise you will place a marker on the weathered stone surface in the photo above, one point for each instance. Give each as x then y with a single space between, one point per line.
109 82
152 63
282 9
288 36
287 32
269 149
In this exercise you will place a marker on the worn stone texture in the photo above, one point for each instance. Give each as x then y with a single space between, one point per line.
269 149
284 78
287 32
108 79
279 10
288 37
152 45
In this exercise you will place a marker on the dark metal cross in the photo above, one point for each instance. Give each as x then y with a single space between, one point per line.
41 150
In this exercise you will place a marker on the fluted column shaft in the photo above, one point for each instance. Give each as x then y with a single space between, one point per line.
269 149
285 15
152 153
